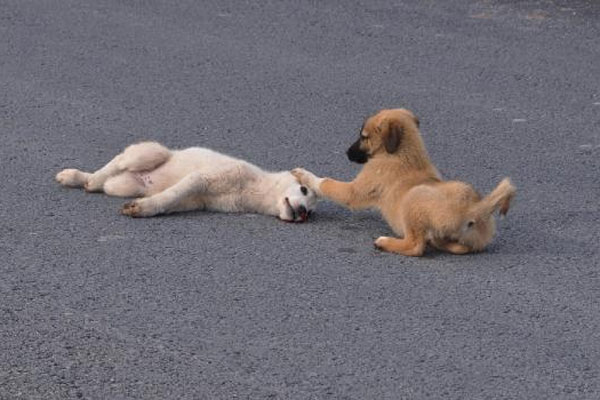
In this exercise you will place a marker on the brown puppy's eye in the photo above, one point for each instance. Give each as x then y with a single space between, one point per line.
304 190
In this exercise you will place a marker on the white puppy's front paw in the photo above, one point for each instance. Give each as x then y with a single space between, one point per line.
307 178
138 208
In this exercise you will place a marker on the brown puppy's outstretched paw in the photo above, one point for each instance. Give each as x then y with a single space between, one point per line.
307 179
132 209
300 174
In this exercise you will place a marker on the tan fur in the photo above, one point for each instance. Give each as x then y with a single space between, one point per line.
403 184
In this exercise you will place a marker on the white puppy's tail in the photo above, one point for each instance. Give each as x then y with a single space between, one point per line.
144 156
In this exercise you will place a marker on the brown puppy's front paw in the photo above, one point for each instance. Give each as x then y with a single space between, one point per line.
300 174
307 179
132 209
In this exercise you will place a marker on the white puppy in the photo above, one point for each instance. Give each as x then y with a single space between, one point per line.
193 179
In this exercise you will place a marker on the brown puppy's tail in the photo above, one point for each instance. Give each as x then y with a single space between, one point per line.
498 199
144 156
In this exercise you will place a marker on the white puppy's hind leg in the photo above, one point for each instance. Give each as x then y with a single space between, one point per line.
91 182
181 196
71 177
95 182
144 156
124 185
169 200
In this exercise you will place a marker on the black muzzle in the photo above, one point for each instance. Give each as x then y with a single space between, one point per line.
355 154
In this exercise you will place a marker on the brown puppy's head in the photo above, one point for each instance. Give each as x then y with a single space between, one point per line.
384 133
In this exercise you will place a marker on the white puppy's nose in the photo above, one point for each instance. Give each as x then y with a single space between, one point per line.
302 213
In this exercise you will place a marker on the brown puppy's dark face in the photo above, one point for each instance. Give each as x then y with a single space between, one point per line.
381 133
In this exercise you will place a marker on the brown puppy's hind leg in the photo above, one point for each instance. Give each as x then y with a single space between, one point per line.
454 247
411 245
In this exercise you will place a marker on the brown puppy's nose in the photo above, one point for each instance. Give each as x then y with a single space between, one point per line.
355 154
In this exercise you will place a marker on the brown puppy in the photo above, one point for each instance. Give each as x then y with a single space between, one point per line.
400 181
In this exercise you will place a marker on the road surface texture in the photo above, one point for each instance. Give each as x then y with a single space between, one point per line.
95 305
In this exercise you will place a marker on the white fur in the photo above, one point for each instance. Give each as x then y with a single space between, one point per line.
190 179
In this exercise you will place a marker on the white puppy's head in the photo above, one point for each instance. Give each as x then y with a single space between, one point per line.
297 202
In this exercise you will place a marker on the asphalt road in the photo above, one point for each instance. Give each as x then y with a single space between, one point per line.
96 305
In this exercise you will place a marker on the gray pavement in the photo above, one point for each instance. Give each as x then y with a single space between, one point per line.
95 305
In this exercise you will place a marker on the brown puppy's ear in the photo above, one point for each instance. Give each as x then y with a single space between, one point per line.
393 137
